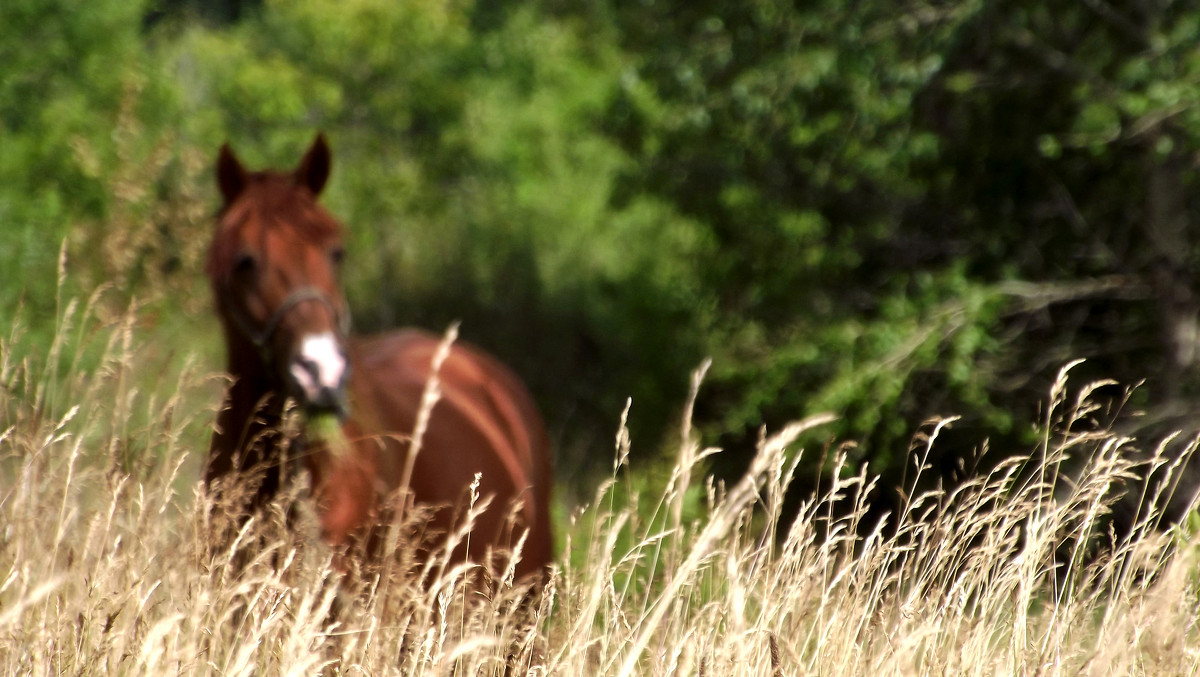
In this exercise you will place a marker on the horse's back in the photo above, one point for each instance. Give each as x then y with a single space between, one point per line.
484 422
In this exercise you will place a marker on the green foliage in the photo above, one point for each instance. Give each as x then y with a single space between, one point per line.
788 133
66 72
888 211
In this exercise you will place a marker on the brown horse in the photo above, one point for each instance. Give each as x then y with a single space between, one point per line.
273 265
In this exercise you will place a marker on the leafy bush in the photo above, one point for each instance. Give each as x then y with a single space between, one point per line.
889 212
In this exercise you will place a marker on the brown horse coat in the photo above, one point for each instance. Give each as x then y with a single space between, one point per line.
273 268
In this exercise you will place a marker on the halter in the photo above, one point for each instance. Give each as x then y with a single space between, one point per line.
261 337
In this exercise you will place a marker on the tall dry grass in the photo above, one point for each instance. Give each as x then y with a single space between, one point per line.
107 566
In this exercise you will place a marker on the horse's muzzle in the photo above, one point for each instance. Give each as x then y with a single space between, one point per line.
318 372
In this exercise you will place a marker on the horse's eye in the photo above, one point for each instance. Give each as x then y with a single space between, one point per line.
336 255
244 264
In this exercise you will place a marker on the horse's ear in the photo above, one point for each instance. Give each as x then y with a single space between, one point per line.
313 171
231 176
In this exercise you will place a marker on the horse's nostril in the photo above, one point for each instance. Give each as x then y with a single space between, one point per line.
314 371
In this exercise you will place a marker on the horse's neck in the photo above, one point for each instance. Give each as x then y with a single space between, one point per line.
250 414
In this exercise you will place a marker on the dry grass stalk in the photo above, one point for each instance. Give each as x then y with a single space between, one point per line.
105 563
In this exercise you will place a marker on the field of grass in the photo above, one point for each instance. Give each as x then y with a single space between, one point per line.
107 567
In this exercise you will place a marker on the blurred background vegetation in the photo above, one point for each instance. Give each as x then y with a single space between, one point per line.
887 210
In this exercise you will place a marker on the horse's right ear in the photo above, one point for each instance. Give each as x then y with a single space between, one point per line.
231 177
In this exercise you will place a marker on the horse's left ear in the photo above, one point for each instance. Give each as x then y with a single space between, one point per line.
231 177
313 171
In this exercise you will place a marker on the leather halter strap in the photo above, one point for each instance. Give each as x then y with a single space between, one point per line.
261 337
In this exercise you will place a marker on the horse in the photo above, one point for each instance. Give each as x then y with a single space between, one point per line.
273 265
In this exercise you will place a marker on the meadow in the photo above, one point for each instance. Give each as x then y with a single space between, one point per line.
897 213
107 565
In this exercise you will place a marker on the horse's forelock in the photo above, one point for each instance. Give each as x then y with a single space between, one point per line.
271 200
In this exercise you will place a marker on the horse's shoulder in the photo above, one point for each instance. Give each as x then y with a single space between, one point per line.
472 381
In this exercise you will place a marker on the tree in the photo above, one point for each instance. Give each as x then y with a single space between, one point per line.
924 209
68 75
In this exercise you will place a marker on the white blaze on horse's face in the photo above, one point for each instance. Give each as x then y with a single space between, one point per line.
319 371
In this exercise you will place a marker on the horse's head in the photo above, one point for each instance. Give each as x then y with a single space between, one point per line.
274 265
